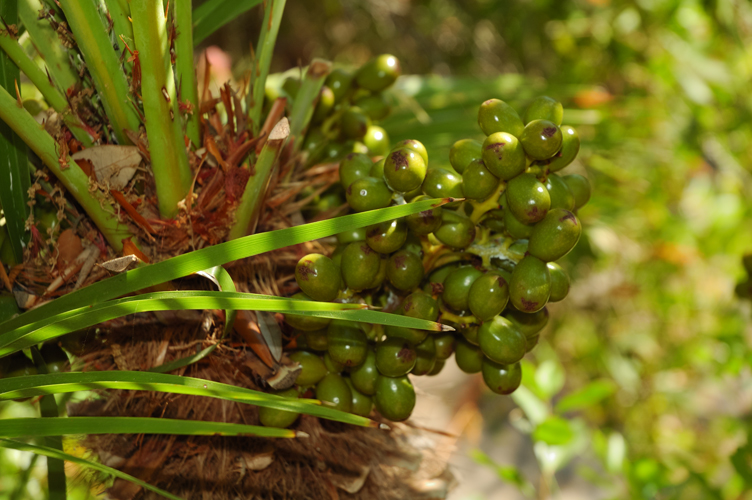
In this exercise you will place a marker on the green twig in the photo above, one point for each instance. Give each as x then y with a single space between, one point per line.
169 159
48 45
13 165
186 69
65 169
305 101
247 213
119 12
103 64
264 50
51 94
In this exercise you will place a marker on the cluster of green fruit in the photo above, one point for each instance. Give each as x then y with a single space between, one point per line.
483 264
348 107
18 364
744 288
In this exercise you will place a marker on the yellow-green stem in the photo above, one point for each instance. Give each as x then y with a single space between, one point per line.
186 69
169 159
305 101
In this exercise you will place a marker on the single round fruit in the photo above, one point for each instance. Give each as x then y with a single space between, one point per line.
555 236
331 365
347 344
468 357
305 323
527 199
333 389
378 280
404 170
456 230
377 170
426 356
471 334
444 343
413 145
364 375
395 357
404 270
559 282
514 227
478 182
561 195
361 403
570 146
374 105
318 277
503 155
315 340
495 115
340 81
377 142
312 368
368 194
425 222
387 237
420 305
271 417
580 188
530 285
54 357
354 166
354 123
529 324
501 342
502 379
350 236
324 105
437 367
360 265
545 108
378 73
395 398
541 139
488 296
442 183
457 287
463 152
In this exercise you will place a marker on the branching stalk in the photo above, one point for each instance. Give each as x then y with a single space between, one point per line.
103 64
264 51
187 69
65 169
169 159
305 102
247 214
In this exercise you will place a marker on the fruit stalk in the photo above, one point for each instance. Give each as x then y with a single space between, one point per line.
186 70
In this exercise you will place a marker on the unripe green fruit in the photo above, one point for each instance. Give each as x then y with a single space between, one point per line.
420 305
271 417
405 270
426 356
442 183
471 334
545 108
395 357
354 166
374 105
413 145
570 146
456 230
340 81
514 227
404 170
377 170
541 139
437 367
457 287
559 282
532 342
503 155
360 265
413 244
351 236
347 345
425 222
380 277
555 236
54 357
527 199
444 343
395 398
412 335
495 115
364 375
368 194
318 277
334 389
468 357
530 285
501 342
580 188
387 237
324 106
463 152
561 195
316 340
331 365
313 368
377 142
502 379
488 296
478 182
305 323
361 404
354 123
529 324
378 73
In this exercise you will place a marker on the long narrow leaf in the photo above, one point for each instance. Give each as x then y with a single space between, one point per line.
212 15
217 255
50 452
43 427
59 383
172 301
186 69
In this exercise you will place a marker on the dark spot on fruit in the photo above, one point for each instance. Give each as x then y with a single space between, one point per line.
366 249
529 305
399 261
437 288
350 156
375 234
408 305
569 216
549 131
497 148
427 216
490 101
349 190
533 212
399 159
501 281
406 354
305 270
